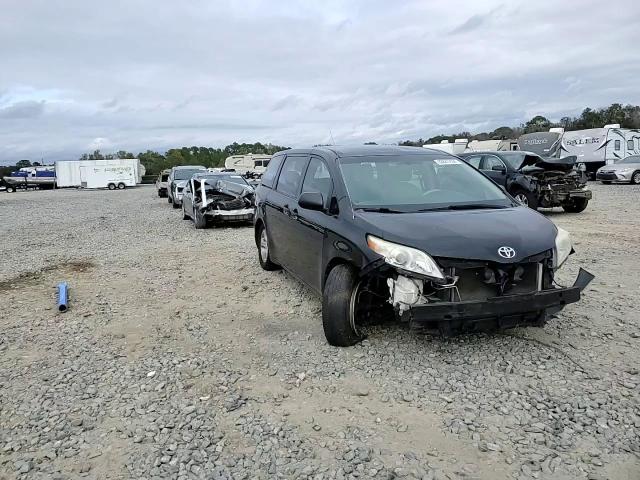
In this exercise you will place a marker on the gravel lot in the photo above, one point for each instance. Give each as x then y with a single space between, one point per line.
181 358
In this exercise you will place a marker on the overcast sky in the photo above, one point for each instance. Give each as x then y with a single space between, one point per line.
77 75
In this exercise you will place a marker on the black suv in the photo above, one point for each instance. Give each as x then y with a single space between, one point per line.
408 231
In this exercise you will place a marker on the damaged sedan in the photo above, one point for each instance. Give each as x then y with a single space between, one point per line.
535 181
383 232
214 198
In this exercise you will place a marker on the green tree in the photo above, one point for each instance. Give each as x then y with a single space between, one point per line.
537 124
23 163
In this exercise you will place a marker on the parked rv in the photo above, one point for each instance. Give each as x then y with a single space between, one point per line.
112 174
593 147
454 148
504 145
597 147
545 144
251 163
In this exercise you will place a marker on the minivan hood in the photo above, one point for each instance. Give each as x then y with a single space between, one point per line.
467 234
617 167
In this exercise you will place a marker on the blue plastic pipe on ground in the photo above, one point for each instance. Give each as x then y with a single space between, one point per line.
62 297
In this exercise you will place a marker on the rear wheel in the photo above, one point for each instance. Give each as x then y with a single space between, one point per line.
528 199
635 178
263 250
111 186
339 305
575 205
121 186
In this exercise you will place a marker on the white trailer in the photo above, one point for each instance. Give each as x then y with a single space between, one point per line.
112 174
505 145
251 163
455 148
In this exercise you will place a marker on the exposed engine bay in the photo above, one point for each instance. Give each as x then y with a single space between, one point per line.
555 182
223 198
466 283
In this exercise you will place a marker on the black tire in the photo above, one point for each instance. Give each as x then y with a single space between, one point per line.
111 186
159 194
168 198
635 178
337 309
184 213
575 205
121 186
11 189
174 204
262 240
528 199
199 219
606 182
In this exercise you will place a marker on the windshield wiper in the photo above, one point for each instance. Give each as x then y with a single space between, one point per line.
378 210
469 206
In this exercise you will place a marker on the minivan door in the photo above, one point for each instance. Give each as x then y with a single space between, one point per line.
310 232
281 202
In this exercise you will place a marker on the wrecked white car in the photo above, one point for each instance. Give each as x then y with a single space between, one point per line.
220 197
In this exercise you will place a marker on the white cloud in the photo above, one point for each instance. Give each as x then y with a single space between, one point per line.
148 74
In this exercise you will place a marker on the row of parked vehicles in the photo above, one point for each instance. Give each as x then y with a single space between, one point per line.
416 234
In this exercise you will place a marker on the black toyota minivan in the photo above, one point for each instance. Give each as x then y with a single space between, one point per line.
383 231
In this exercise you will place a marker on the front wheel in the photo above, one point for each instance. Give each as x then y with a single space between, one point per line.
339 305
575 205
528 199
184 212
111 186
11 189
635 178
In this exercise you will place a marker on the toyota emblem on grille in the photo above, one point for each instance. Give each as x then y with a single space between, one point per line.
506 252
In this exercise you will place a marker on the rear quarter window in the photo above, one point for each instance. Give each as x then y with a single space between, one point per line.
269 176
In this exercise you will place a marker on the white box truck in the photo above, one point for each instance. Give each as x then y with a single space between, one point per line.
111 174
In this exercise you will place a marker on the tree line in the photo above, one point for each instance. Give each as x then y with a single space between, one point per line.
628 116
154 162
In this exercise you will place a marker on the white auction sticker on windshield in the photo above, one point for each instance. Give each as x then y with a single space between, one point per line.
447 161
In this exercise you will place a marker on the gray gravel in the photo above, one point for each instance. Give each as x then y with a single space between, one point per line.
181 358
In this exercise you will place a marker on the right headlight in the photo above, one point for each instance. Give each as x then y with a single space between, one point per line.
563 247
405 258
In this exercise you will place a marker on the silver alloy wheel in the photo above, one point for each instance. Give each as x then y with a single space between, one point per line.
264 245
636 178
352 307
522 199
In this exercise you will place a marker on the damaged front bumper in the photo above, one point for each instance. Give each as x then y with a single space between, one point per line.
241 215
500 312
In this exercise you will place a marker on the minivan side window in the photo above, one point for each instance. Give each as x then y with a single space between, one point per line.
269 176
317 179
291 175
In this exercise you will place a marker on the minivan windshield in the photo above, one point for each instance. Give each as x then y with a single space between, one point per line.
410 183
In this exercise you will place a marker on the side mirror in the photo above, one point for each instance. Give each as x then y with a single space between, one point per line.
311 201
498 168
